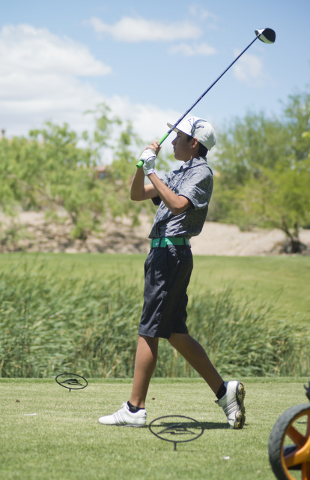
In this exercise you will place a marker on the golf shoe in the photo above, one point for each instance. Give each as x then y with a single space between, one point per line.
232 404
124 417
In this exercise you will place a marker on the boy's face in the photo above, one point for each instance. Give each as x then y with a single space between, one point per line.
183 149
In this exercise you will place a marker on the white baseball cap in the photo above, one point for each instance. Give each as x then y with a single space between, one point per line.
198 128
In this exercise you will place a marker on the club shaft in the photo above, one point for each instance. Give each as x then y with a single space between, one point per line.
209 88
140 162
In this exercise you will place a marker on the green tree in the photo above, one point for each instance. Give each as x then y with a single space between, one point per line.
48 170
263 170
56 168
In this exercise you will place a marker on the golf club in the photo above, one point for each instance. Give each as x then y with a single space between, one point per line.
265 35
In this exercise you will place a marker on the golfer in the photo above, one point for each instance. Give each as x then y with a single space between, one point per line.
183 197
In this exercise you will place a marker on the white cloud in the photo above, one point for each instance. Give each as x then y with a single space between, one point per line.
139 30
25 48
249 69
188 50
40 81
150 121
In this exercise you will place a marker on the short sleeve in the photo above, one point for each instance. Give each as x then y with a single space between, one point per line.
198 187
156 200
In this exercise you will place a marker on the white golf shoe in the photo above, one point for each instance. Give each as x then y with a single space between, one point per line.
232 404
125 417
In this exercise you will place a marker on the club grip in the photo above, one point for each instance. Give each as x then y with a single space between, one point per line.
163 138
139 164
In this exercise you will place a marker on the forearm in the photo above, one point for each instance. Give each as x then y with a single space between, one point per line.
139 191
137 186
175 203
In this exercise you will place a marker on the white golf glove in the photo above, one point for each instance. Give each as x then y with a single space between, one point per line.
148 157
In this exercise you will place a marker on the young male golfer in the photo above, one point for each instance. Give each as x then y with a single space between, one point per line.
183 198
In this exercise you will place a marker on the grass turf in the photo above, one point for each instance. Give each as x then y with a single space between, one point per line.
63 440
277 280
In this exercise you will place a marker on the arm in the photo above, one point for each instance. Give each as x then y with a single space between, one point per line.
139 191
176 203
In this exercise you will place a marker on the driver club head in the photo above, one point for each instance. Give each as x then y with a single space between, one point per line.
266 35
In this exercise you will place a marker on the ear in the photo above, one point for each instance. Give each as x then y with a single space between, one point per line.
195 144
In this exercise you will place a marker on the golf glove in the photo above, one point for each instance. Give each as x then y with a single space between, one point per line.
148 157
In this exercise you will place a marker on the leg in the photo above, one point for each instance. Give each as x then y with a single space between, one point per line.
232 401
196 356
145 363
146 357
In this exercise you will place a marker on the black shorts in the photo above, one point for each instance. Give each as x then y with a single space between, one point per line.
167 275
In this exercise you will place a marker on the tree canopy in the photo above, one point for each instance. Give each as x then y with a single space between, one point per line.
55 168
263 167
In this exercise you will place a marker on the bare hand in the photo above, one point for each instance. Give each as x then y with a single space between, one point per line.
155 146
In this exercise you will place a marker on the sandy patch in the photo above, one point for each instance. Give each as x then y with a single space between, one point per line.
34 233
222 239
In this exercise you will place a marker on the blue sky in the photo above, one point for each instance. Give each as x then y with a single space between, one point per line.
149 61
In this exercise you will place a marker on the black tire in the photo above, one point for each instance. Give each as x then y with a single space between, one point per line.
277 451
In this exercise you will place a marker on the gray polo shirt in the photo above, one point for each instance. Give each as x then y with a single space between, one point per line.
194 180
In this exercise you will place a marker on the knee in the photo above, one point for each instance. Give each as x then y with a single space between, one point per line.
172 339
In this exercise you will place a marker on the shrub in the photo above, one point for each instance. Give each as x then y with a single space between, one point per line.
54 321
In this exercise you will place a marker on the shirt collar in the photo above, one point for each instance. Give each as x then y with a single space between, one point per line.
193 163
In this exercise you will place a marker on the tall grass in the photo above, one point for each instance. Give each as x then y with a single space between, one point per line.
54 321
243 339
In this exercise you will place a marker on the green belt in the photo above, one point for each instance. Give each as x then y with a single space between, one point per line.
164 241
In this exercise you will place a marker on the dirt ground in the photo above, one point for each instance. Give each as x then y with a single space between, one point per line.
32 232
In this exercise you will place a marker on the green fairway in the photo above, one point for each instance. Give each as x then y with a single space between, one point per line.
63 441
281 281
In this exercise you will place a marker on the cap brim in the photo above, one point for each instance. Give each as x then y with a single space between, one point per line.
175 129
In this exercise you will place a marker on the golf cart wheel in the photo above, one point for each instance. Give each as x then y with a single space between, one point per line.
289 444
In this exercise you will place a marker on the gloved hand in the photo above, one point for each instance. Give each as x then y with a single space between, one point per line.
148 157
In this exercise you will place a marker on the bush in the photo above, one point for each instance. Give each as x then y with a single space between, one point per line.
53 321
243 340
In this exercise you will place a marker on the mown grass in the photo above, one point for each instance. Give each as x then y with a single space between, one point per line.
57 318
281 280
64 441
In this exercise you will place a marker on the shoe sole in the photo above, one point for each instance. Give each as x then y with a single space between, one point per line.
123 425
240 417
